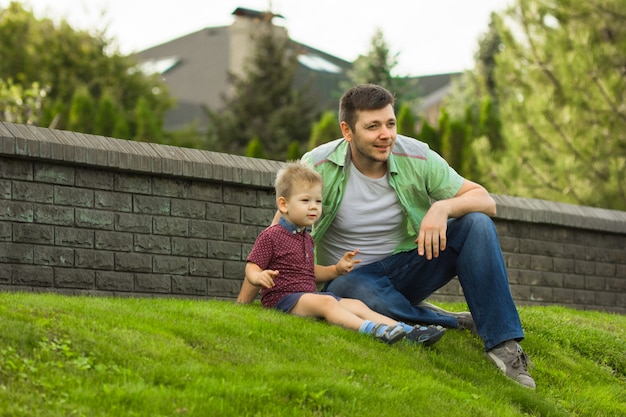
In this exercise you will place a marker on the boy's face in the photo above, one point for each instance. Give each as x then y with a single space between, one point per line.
304 207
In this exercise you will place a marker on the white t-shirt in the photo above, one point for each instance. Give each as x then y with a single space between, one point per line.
369 219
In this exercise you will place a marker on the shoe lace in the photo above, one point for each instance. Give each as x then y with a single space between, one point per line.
522 360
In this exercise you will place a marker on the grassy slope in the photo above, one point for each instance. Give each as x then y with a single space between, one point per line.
75 356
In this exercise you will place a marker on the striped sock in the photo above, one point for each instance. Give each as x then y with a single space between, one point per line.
406 326
367 327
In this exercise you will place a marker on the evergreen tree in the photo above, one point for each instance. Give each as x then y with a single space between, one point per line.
255 149
264 102
377 66
473 102
489 46
325 130
106 115
489 124
147 127
430 136
406 121
188 136
456 137
453 138
293 151
121 129
443 126
561 89
82 111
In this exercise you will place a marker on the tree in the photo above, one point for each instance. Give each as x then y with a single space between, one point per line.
106 115
430 136
255 149
20 104
561 89
264 102
325 130
62 61
293 151
406 121
147 127
82 111
377 66
485 57
472 106
489 124
452 139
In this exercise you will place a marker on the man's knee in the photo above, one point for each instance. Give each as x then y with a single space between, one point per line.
478 219
351 288
341 286
478 224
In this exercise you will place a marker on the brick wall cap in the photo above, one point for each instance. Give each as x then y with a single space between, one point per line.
562 214
97 151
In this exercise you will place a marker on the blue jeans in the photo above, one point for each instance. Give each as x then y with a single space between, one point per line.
396 284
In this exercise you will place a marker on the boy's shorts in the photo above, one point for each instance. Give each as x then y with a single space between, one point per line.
286 303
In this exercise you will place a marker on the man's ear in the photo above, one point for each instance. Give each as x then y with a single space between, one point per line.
281 202
346 131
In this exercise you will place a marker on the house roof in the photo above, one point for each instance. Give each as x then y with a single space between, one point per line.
429 84
433 89
195 68
196 75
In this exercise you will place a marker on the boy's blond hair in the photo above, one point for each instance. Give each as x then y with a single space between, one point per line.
292 174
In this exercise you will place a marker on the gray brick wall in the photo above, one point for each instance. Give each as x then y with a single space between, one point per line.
83 214
556 264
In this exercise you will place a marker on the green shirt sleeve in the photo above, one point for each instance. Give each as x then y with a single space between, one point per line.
442 181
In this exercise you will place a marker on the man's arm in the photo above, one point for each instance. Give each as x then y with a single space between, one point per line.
470 198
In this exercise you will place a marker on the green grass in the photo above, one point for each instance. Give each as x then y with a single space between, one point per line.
83 356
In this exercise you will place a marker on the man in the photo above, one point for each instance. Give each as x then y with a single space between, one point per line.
416 223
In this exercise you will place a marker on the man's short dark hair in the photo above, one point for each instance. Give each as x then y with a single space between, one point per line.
363 97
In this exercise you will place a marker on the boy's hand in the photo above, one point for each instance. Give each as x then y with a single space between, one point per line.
347 262
264 278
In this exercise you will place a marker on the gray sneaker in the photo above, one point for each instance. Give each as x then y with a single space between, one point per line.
465 319
466 322
511 359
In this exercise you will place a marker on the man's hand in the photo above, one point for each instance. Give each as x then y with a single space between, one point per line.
431 238
471 197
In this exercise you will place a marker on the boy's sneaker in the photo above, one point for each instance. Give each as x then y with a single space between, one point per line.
425 335
390 335
512 360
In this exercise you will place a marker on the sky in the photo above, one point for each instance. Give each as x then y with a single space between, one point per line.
430 37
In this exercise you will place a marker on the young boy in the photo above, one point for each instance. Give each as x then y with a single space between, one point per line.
282 264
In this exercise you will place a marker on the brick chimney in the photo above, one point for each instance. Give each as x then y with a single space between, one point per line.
247 26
